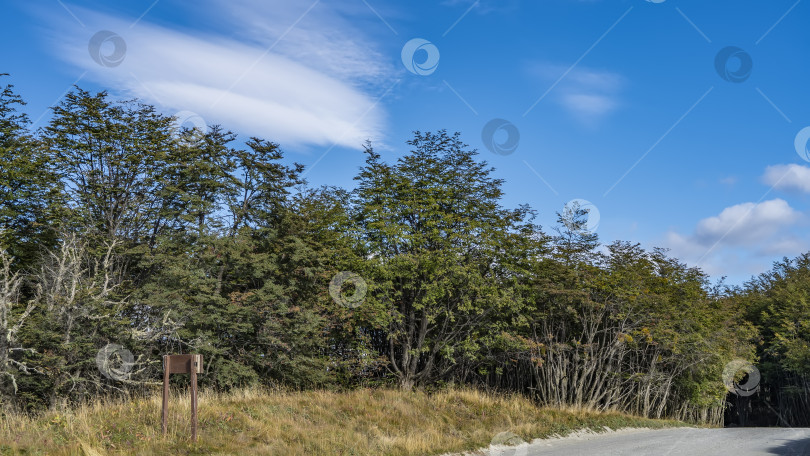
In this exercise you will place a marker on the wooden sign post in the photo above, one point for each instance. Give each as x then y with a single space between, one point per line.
181 364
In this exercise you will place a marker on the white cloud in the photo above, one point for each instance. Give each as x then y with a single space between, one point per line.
791 178
587 94
329 37
787 246
746 224
741 239
315 83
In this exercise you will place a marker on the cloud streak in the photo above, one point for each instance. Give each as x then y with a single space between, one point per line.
315 86
587 94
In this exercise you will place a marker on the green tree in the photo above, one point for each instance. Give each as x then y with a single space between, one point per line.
29 188
777 303
111 157
241 273
433 232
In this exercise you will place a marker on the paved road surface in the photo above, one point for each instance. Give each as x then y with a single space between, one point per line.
677 442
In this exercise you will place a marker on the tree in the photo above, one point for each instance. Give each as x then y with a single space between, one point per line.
777 303
111 157
241 273
12 318
117 229
433 230
29 188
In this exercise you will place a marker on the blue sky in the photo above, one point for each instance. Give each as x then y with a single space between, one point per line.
632 105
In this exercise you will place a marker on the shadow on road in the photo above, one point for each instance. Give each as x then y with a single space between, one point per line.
799 447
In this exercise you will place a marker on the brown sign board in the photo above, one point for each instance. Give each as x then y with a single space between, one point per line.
183 364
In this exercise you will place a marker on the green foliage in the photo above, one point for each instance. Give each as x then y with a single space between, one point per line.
434 234
777 303
124 231
110 157
29 187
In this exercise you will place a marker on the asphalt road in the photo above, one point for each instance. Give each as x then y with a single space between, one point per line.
675 442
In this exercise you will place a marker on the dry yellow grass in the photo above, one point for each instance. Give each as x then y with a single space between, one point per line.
360 422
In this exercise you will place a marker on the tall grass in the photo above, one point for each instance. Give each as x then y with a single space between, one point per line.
253 421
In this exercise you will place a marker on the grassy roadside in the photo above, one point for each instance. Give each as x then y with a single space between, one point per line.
361 422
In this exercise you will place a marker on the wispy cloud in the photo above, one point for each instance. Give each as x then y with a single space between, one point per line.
790 178
291 77
587 94
485 6
589 106
729 181
332 38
